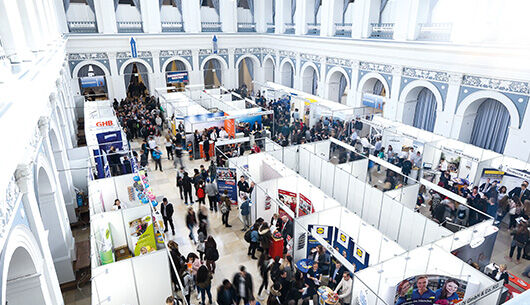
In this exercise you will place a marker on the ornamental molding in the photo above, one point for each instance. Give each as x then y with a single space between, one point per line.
88 56
210 52
311 57
339 61
171 53
426 74
247 50
371 66
128 54
496 84
287 53
8 202
268 51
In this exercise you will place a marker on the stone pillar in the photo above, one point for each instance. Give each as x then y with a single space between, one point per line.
447 120
228 16
259 16
12 33
409 14
46 27
30 23
24 179
300 17
354 96
151 16
364 14
158 77
191 15
106 16
393 108
280 17
196 75
118 82
327 22
230 77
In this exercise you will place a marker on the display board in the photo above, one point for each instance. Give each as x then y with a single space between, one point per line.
226 180
479 251
288 198
177 77
305 206
326 232
430 289
92 81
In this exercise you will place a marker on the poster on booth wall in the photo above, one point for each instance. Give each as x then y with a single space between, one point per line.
305 206
105 245
341 243
326 232
430 289
142 235
226 180
360 257
288 199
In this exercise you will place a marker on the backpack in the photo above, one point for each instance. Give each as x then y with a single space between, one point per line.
247 236
200 192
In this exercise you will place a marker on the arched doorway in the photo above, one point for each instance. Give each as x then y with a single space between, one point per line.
213 74
24 281
268 66
310 80
338 87
246 74
136 79
92 82
425 110
287 72
177 75
491 125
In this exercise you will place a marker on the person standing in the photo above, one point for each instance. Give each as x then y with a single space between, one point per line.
243 285
520 238
206 148
177 258
180 176
211 254
201 193
226 294
167 215
169 147
254 241
212 192
191 222
204 283
157 156
212 171
245 212
522 192
186 186
226 206
345 287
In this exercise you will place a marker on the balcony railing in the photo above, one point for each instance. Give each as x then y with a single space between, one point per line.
382 30
313 29
82 27
435 31
343 29
289 28
270 27
246 27
211 26
172 26
130 27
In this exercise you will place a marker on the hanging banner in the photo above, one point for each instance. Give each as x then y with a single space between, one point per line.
105 245
142 235
305 206
374 101
325 232
92 81
430 289
359 254
226 180
342 244
177 77
230 127
288 199
267 203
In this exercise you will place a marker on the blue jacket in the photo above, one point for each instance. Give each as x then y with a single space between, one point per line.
156 154
245 207
254 236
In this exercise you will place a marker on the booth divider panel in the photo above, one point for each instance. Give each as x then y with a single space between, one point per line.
372 206
412 229
151 273
391 211
340 188
305 165
328 177
356 196
104 284
313 171
290 158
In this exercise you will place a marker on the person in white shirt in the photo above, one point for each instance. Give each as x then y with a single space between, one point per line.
416 159
443 165
152 145
345 287
223 134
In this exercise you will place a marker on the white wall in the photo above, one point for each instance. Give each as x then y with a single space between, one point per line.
80 12
126 12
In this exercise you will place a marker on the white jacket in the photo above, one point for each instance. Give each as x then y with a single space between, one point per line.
345 288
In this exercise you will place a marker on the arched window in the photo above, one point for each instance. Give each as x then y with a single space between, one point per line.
490 129
425 112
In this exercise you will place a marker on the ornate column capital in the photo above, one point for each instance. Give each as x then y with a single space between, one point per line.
44 125
397 70
456 78
355 64
24 177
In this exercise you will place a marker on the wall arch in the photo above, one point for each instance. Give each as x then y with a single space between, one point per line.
410 92
100 91
287 73
242 76
221 60
268 56
255 60
179 58
473 101
137 60
269 68
288 60
307 81
333 83
76 69
367 82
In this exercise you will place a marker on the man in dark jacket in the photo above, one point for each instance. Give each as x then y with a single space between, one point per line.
186 185
522 192
335 274
167 214
243 285
226 294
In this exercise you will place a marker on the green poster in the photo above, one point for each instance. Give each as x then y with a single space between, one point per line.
143 235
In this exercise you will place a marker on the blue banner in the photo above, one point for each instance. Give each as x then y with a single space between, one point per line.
227 180
326 232
374 101
92 81
177 77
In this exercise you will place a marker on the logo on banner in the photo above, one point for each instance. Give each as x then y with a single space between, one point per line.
343 239
105 123
359 254
322 231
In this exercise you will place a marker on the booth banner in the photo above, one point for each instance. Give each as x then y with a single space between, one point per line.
374 101
360 255
177 77
110 138
325 232
281 213
92 81
288 199
105 245
142 235
230 127
226 180
492 174
342 245
510 179
478 252
305 206
430 289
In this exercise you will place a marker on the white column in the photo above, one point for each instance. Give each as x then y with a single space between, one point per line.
259 15
352 98
158 77
106 16
58 7
364 14
24 179
191 15
281 16
230 77
393 108
327 20
46 29
31 26
118 82
228 18
196 75
407 15
296 73
12 33
446 120
151 16
300 17
52 20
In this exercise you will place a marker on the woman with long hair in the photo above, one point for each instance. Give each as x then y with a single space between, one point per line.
204 283
448 291
211 254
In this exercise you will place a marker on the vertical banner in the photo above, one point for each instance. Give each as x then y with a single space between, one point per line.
342 244
288 199
230 127
326 232
305 206
226 180
360 257
105 245
142 235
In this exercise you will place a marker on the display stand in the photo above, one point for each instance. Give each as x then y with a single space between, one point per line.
276 248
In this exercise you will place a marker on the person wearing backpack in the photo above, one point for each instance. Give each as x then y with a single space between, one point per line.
187 282
211 254
201 193
212 192
254 242
157 156
225 208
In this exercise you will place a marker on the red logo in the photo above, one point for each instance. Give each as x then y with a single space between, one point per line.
107 123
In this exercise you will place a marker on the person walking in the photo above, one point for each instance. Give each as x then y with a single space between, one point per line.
177 259
264 268
180 176
186 186
169 147
243 283
157 156
178 156
212 192
191 222
245 212
204 283
344 288
226 294
167 215
226 206
265 237
254 241
211 254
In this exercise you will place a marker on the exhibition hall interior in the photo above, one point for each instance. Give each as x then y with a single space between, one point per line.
278 152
